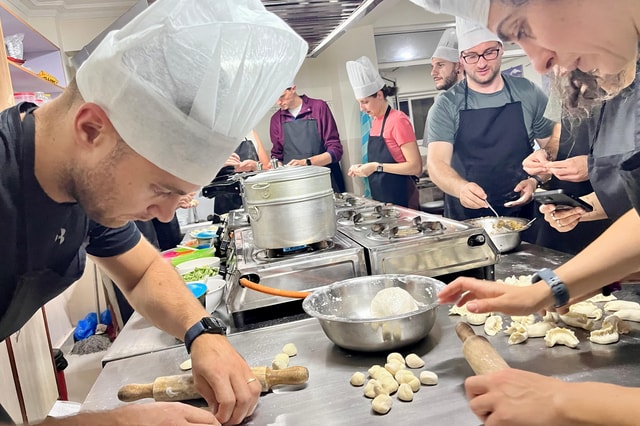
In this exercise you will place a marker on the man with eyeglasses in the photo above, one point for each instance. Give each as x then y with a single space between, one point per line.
304 133
480 131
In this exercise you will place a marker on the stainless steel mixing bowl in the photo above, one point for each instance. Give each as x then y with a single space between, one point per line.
344 312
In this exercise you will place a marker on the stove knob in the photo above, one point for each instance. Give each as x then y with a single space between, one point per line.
476 240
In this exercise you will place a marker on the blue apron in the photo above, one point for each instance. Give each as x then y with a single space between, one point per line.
389 187
489 147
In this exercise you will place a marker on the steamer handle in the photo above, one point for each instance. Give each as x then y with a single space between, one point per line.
273 291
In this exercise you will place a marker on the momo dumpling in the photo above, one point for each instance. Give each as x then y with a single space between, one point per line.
392 301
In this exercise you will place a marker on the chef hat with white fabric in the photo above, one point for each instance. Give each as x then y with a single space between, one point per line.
185 80
471 34
364 77
474 10
447 46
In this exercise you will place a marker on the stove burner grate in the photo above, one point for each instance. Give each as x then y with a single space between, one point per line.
404 230
266 255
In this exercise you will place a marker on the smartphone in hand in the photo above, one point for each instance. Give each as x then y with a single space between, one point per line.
561 199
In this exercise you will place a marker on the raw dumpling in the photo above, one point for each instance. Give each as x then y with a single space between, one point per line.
392 301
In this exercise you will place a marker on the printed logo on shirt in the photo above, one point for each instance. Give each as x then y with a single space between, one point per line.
60 237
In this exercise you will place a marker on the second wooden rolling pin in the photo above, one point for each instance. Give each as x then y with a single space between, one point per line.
181 387
478 352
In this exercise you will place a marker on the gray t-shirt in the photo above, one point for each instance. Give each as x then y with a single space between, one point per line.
443 117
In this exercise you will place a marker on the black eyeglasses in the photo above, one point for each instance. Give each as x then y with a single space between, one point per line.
488 55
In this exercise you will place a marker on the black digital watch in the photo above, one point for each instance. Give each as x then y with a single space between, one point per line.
210 325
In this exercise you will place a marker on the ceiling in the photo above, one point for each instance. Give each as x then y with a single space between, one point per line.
319 22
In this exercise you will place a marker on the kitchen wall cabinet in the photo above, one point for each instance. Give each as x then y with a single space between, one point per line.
39 55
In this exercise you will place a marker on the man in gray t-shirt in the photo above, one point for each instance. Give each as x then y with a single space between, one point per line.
481 129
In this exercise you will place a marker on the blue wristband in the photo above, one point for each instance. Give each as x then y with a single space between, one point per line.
558 288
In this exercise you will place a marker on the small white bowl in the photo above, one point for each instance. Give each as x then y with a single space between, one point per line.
215 291
190 265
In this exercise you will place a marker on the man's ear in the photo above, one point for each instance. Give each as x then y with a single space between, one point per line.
91 124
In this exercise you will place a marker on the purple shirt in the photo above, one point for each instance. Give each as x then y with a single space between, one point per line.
311 108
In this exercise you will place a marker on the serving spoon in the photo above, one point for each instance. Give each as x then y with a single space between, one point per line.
492 209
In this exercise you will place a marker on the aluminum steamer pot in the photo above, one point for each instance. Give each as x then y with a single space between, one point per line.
290 206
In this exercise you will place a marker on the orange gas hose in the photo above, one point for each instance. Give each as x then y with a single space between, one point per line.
273 291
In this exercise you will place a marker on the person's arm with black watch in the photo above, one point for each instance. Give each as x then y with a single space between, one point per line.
211 325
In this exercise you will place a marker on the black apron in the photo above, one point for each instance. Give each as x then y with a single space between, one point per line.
613 142
630 168
490 145
388 187
302 140
574 141
223 203
35 284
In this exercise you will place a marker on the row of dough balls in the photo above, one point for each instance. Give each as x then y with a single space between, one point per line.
581 315
281 361
391 378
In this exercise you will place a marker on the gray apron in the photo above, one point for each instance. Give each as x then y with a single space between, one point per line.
35 284
302 140
489 147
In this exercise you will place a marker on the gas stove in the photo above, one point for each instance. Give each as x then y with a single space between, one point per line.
303 268
399 240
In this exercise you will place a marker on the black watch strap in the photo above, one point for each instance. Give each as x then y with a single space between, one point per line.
206 325
558 287
308 161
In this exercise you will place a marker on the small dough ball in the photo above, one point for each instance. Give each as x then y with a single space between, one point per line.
414 383
373 370
392 301
405 393
389 384
428 378
278 364
357 379
283 357
290 349
403 376
186 365
414 361
371 388
381 404
393 367
395 356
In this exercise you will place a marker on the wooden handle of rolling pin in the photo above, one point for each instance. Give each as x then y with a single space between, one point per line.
478 352
181 388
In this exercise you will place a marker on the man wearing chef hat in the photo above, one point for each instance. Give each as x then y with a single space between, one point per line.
445 61
152 114
392 150
480 131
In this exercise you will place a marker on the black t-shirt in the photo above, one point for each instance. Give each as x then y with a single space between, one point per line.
39 234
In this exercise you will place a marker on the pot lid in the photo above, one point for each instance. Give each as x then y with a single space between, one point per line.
288 173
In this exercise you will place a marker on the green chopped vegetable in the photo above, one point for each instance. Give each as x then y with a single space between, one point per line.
200 273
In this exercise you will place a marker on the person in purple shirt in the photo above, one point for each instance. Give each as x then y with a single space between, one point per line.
304 132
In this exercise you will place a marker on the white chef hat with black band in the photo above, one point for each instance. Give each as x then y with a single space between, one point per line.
474 10
364 77
471 34
185 80
447 48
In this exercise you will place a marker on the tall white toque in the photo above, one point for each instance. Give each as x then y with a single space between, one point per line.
474 10
364 77
447 46
471 34
185 80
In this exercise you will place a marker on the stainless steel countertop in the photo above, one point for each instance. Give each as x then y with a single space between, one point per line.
329 399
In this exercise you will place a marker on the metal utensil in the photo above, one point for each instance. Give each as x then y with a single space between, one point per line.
492 209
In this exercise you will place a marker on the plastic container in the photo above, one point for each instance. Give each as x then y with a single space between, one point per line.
24 97
199 290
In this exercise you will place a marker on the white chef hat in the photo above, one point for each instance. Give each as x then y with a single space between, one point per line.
185 80
471 34
474 10
447 46
364 77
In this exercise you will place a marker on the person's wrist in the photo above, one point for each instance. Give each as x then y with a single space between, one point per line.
558 288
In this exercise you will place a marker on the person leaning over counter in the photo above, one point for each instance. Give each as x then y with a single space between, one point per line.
480 130
594 43
394 158
304 132
124 142
445 61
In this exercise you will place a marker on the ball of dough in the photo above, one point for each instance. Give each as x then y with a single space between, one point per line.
381 404
392 301
414 361
395 356
393 367
428 378
405 393
371 390
357 379
290 349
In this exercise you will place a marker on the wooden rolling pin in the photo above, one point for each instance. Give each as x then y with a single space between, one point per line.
181 388
478 352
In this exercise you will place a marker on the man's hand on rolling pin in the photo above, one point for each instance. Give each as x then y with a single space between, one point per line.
472 196
574 169
488 296
515 397
224 379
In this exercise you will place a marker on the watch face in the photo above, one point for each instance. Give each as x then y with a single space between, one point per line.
214 325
